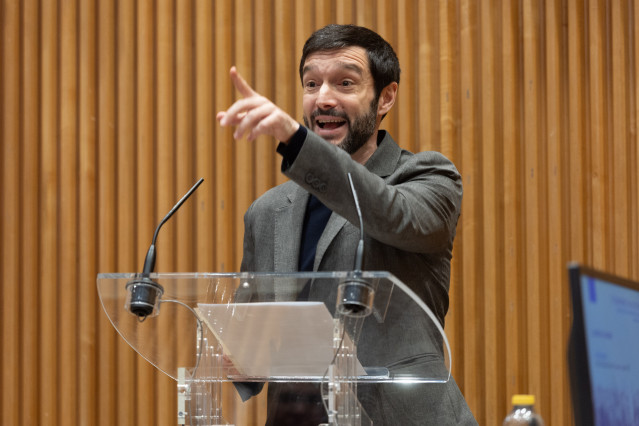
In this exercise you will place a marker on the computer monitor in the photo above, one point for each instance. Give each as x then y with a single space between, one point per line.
603 351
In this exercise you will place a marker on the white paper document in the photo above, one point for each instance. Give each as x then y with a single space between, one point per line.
274 339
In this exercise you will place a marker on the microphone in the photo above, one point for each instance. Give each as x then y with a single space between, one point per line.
144 293
355 294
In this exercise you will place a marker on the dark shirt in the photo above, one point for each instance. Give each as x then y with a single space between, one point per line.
315 219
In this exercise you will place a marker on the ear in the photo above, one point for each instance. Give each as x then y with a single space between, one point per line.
387 98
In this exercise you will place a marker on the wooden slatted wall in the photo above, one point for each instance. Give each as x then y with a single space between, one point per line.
107 116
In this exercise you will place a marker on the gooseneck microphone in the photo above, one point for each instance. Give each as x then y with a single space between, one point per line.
359 254
144 292
149 262
355 294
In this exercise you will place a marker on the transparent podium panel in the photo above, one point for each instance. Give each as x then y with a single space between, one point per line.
321 345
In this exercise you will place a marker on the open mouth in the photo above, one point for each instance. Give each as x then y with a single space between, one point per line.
331 123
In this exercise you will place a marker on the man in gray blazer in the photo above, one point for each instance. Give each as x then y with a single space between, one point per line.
410 202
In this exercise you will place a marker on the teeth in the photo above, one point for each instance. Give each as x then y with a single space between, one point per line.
337 120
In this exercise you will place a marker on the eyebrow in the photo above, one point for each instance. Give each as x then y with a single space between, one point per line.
344 65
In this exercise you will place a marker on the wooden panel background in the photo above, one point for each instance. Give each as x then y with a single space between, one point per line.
107 116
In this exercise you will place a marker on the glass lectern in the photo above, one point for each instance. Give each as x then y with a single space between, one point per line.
317 338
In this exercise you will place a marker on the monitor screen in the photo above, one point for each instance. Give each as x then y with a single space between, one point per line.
604 348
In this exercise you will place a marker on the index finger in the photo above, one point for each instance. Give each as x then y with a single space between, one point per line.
240 84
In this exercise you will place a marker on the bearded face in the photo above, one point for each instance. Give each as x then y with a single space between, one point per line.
359 128
339 98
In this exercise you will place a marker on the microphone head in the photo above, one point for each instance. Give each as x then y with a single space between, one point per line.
144 296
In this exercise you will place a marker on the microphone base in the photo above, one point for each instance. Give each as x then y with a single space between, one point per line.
144 297
355 298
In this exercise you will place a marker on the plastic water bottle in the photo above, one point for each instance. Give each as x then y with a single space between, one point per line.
523 412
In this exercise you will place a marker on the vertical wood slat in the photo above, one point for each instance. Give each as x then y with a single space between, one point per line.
471 231
86 225
146 200
598 120
184 162
223 149
166 192
427 99
577 137
556 135
108 115
184 135
533 204
513 242
224 144
104 413
48 353
364 14
405 104
128 256
68 203
620 159
10 200
204 133
301 32
31 161
343 13
384 25
492 223
323 13
164 121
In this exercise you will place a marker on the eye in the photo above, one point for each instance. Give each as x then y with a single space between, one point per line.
310 86
347 83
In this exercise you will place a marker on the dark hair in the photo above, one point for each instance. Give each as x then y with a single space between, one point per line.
382 60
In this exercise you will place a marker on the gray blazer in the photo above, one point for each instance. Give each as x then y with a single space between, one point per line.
410 206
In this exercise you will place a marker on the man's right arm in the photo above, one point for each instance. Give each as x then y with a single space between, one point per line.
255 115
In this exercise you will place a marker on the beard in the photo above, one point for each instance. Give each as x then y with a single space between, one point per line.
360 129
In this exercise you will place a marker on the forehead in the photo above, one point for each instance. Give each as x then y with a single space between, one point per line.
352 57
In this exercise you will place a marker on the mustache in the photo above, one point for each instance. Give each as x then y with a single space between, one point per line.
329 112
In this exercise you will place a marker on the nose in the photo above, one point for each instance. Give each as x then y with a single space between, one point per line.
326 98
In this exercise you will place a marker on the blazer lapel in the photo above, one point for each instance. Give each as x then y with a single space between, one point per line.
335 223
289 220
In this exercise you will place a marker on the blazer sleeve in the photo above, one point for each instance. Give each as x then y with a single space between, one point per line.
415 208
